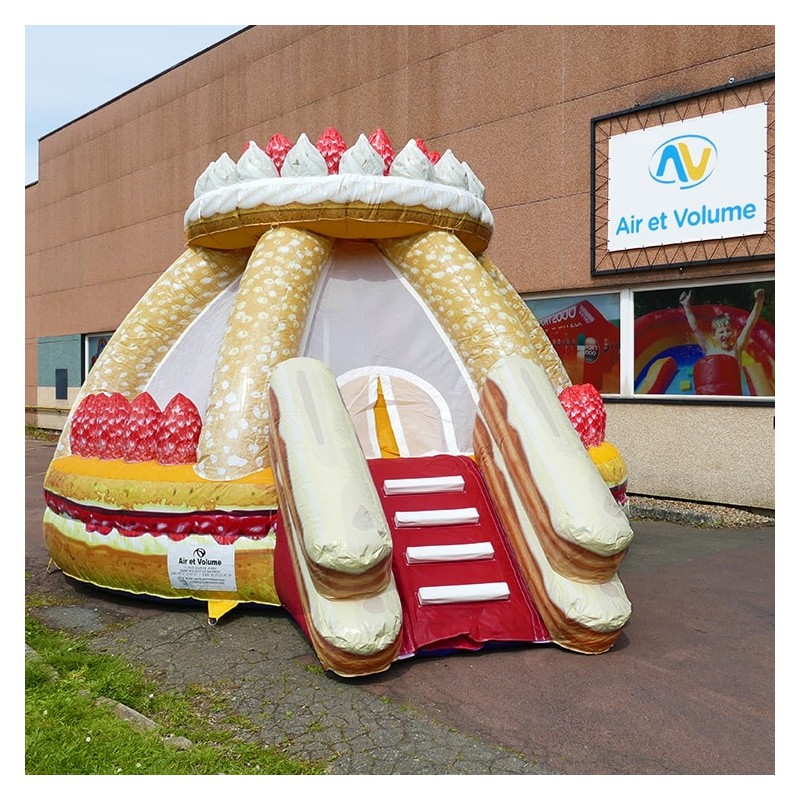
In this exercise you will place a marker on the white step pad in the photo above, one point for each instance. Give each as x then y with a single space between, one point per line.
447 516
434 553
443 483
463 593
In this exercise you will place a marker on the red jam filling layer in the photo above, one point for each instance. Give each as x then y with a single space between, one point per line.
224 526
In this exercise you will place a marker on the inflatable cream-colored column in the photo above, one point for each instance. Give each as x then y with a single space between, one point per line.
546 355
466 301
156 322
567 531
264 328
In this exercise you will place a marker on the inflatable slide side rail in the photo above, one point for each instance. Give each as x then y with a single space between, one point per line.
568 534
333 525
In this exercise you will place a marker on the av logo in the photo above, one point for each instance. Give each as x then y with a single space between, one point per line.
683 160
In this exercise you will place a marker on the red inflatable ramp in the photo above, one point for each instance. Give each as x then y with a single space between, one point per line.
458 581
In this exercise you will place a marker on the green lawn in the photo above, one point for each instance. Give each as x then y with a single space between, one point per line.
71 727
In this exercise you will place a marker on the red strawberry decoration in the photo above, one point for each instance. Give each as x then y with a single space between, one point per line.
331 145
109 427
383 147
111 417
82 431
584 407
139 443
432 155
277 148
178 432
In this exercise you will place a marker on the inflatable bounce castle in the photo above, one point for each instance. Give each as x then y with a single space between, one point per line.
334 402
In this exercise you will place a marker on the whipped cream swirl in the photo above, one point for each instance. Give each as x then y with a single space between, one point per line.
226 185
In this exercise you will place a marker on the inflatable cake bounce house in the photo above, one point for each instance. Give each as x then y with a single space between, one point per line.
334 402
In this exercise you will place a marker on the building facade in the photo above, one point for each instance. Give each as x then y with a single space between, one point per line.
552 120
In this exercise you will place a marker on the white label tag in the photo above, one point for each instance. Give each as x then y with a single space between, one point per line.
208 565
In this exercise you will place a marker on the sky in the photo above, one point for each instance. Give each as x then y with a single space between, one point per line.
73 69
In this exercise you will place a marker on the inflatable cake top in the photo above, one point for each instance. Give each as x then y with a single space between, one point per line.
365 191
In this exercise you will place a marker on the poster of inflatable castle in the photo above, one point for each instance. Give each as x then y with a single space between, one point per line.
334 402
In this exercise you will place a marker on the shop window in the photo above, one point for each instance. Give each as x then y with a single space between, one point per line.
585 332
702 340
94 344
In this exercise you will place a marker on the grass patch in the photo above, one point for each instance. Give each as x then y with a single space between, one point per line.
68 733
47 601
41 434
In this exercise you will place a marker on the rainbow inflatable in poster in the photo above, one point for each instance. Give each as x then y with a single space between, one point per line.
669 360
334 402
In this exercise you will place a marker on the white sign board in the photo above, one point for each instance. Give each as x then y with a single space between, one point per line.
700 179
208 566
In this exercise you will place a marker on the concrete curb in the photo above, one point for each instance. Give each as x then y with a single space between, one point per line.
644 510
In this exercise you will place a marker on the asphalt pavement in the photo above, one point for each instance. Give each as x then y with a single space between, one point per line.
689 688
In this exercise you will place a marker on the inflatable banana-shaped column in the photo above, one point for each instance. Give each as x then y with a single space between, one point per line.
339 585
481 323
546 355
567 531
265 327
156 322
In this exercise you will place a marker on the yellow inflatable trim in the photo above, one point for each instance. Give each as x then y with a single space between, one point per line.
244 227
218 608
150 485
386 437
609 463
145 470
